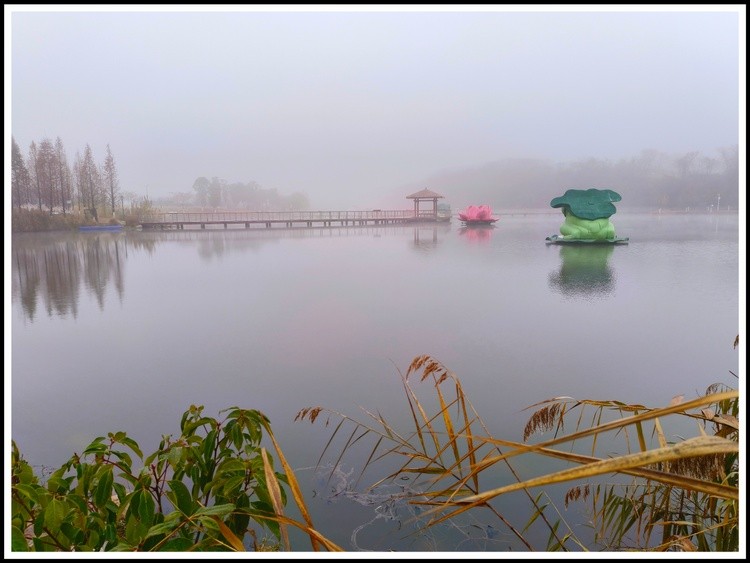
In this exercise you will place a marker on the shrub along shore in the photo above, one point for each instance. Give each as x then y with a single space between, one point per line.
34 220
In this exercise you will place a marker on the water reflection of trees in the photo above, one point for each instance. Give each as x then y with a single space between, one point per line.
62 271
584 270
25 281
53 270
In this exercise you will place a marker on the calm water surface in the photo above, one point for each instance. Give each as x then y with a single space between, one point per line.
124 331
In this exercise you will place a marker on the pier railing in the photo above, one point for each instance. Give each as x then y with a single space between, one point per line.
276 216
180 219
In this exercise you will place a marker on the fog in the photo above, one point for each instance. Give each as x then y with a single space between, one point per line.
351 106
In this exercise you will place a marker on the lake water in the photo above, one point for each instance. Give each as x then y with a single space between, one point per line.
124 331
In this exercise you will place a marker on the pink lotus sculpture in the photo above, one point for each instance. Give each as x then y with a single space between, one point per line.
477 214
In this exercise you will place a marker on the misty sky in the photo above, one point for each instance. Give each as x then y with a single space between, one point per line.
349 106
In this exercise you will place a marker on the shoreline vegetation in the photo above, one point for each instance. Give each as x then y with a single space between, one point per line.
218 487
34 220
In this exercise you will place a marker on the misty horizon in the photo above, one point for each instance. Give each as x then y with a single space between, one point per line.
351 108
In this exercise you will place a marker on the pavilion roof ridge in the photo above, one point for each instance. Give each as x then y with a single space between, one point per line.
424 194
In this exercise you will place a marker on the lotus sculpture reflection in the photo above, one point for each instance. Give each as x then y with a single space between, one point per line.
477 215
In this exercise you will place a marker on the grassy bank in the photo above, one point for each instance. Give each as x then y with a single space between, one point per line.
34 220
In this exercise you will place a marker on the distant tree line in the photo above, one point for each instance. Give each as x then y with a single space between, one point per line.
45 180
652 179
217 193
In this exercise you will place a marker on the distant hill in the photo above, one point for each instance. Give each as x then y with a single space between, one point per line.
651 180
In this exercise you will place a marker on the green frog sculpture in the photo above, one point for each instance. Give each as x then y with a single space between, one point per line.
587 214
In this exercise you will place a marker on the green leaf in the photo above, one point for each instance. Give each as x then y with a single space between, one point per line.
120 490
175 455
74 534
259 508
552 543
29 492
131 530
133 445
58 484
54 514
103 491
534 516
208 445
135 530
216 510
231 465
146 508
181 497
210 524
232 484
96 446
164 528
79 502
93 541
126 460
190 427
177 544
18 541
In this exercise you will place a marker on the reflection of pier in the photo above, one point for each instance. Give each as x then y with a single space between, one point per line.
426 238
283 219
268 234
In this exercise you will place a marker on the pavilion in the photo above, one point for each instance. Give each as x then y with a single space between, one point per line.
425 195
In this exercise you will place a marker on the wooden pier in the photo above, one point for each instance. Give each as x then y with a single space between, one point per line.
284 219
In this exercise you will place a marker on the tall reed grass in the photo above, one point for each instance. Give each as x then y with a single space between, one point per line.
668 495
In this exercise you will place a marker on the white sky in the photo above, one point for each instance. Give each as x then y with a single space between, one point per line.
348 104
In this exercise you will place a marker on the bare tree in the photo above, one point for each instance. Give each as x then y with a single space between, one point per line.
78 180
89 181
686 163
63 175
34 170
201 186
730 159
110 179
216 192
130 197
48 172
20 178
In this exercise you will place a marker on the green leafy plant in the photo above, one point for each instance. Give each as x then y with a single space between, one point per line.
214 488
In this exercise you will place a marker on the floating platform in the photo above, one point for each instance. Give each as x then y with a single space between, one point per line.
557 239
478 222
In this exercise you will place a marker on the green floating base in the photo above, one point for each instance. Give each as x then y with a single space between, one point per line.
557 239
